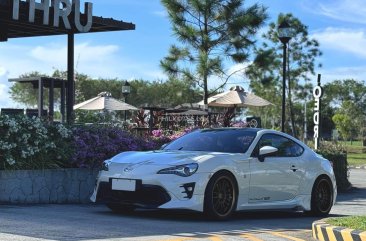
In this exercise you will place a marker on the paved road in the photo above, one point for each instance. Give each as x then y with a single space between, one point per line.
353 202
95 222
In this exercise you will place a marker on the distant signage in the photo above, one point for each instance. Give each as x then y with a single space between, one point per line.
63 10
317 93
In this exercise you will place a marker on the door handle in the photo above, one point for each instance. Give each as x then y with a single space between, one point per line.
293 168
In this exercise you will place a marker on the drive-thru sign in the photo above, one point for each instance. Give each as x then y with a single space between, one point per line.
317 93
62 9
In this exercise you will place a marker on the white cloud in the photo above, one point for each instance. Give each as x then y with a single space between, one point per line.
56 55
341 73
104 61
97 61
344 10
346 40
5 101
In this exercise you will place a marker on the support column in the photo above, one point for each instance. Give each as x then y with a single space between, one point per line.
70 80
51 98
63 117
40 97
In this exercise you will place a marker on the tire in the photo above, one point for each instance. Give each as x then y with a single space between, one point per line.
321 197
220 197
118 208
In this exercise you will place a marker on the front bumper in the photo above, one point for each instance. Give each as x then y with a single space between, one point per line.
146 196
155 191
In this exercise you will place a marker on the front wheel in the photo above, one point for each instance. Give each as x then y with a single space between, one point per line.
321 197
220 197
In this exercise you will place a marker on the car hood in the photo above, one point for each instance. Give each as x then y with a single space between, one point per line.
160 157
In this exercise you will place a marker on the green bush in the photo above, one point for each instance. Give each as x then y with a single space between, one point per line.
29 143
337 154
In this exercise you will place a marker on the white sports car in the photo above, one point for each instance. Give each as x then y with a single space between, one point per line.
219 171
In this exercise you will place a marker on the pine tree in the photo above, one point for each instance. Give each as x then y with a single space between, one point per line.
211 33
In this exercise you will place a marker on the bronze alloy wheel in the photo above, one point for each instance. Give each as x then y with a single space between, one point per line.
220 197
223 196
322 197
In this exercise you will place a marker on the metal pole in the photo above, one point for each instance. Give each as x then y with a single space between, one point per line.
283 88
126 110
70 80
305 124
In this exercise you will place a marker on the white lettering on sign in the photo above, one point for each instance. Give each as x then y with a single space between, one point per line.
62 10
317 93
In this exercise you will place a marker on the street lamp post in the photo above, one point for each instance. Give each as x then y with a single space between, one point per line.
126 90
284 34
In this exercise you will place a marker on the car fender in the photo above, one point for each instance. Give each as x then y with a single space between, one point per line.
241 175
315 171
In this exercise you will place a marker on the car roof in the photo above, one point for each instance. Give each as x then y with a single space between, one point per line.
233 128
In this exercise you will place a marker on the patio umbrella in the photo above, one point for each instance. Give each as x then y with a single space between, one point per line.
236 97
104 101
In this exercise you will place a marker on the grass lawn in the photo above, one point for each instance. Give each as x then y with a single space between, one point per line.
353 222
356 159
353 143
356 155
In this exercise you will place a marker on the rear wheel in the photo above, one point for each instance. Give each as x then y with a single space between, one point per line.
321 197
220 196
118 208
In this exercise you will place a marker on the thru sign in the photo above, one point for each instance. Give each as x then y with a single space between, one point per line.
62 9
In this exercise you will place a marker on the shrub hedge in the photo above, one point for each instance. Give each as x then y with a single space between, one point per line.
337 154
28 143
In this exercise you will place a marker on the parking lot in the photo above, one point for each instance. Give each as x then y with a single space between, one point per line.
96 222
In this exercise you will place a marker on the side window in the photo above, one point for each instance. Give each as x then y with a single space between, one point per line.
285 146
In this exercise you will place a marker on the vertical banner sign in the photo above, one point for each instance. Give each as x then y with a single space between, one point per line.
317 93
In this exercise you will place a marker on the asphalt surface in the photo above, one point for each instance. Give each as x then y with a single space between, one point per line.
96 222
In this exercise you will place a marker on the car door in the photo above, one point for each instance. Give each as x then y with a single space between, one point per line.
277 178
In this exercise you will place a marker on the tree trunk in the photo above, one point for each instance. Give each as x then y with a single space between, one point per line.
205 89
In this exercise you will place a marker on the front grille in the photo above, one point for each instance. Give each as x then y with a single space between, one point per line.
147 196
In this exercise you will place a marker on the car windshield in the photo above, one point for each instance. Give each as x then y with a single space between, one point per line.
215 140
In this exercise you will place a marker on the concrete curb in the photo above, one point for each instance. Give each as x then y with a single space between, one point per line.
358 167
325 232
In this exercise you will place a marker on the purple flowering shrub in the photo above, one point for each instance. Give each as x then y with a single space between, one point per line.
161 137
94 144
32 144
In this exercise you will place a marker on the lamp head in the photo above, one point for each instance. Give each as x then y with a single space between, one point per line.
126 88
285 32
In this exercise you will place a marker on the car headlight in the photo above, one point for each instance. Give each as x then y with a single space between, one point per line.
105 165
181 170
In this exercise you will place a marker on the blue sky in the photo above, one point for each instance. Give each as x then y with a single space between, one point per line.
339 26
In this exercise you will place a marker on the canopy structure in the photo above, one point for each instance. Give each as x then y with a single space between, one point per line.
20 28
104 101
20 18
236 97
51 83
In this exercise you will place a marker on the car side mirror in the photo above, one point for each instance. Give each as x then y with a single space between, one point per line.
265 152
